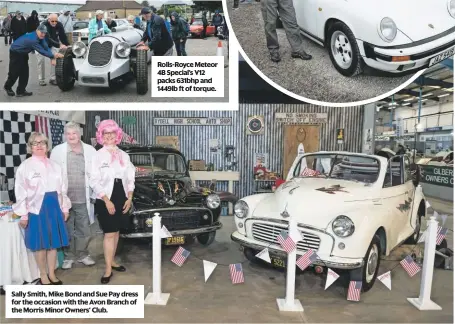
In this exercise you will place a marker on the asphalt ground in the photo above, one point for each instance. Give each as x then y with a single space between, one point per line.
316 79
127 93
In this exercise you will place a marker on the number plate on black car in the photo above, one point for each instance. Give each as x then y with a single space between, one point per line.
278 262
441 57
175 240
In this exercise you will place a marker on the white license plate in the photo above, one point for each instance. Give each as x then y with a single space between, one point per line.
441 57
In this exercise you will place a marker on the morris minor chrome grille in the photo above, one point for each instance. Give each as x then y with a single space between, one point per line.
269 232
100 53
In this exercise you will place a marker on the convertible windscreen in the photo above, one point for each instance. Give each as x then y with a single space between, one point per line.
338 166
158 162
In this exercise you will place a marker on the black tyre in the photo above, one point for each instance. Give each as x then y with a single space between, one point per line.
369 272
207 238
415 237
141 72
343 50
250 255
65 74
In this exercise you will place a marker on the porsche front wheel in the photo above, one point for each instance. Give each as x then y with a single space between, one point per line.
343 50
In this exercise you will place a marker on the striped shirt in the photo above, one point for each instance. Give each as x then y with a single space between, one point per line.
76 176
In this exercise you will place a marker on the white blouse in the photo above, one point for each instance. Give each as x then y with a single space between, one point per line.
35 177
106 168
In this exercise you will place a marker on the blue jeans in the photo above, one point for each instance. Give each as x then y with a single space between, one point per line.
180 46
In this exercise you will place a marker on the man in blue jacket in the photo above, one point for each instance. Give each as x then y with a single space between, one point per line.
18 59
156 36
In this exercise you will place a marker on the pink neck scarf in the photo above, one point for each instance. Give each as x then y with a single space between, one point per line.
115 154
42 159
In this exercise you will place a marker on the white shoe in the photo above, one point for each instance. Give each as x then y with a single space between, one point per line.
67 264
88 261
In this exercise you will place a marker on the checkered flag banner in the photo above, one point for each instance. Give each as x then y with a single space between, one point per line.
180 256
410 266
286 242
15 129
305 260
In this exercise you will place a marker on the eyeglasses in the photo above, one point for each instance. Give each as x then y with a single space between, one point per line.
41 143
109 133
54 21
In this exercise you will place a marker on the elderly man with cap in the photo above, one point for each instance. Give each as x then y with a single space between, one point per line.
56 39
156 36
97 26
67 21
18 59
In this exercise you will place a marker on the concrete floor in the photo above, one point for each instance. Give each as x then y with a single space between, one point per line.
194 301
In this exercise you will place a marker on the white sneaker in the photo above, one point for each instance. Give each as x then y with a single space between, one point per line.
67 264
88 261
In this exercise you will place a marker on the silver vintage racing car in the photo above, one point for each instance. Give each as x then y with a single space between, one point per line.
108 60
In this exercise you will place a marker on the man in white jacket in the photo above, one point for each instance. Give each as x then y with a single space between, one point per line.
75 158
67 22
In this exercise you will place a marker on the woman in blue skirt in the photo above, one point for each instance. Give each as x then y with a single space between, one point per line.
42 203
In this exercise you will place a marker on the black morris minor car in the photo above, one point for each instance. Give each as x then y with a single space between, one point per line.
163 185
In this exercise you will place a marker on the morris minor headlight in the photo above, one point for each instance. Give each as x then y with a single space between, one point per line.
213 201
343 226
241 209
451 7
79 49
388 29
123 50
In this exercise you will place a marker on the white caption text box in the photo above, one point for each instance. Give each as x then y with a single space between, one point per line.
187 76
78 301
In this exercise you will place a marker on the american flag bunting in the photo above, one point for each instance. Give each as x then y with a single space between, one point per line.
180 256
307 172
57 130
441 234
305 260
286 242
354 290
42 125
236 273
410 266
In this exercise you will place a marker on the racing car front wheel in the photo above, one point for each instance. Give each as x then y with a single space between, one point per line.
343 50
64 71
206 238
141 72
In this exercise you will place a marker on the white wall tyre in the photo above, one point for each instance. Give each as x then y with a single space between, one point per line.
369 272
343 50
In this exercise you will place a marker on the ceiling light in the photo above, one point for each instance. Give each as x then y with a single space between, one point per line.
406 104
427 95
444 95
434 87
410 99
392 104
423 100
448 89
419 127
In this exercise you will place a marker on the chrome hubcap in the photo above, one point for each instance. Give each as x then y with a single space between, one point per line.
341 49
372 263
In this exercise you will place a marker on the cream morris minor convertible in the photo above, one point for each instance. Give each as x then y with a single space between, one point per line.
388 35
351 209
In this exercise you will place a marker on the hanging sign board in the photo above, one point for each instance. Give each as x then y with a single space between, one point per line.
75 116
437 175
192 121
301 118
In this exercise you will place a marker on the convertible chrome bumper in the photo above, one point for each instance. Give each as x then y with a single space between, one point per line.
332 262
194 231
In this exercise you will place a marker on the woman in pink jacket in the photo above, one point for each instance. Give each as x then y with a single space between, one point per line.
43 204
112 180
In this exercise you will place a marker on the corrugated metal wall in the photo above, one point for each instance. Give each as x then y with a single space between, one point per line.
194 140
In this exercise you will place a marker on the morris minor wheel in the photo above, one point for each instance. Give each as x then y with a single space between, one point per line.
343 50
64 71
207 238
141 72
369 272
416 236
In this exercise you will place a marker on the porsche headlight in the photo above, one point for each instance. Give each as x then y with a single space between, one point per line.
123 50
79 49
343 226
213 201
241 209
451 7
388 29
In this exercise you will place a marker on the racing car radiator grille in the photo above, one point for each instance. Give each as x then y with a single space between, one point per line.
100 54
269 232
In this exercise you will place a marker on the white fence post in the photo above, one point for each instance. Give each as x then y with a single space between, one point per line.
289 304
156 297
423 302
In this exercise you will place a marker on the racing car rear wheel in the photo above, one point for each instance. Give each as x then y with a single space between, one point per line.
206 238
141 72
343 50
64 71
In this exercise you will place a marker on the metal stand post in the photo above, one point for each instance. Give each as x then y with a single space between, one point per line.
289 304
423 302
156 297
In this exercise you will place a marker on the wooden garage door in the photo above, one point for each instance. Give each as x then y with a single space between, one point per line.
293 136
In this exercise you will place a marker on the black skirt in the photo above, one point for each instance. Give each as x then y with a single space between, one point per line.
113 223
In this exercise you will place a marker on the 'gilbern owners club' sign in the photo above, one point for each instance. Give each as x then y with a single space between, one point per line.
437 175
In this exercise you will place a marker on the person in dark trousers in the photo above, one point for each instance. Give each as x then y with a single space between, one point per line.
236 5
18 26
179 34
158 38
217 21
270 10
56 39
18 59
205 23
32 22
110 23
7 30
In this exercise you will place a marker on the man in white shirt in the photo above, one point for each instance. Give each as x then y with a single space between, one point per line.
75 158
67 22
